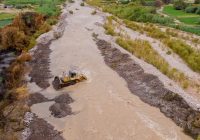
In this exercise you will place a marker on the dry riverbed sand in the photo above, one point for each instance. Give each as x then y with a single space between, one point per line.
102 108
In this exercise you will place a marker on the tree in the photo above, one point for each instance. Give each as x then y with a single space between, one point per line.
180 5
158 3
167 1
197 1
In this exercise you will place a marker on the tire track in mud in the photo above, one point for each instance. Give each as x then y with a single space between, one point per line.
150 89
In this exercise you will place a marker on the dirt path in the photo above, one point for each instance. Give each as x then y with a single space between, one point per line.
103 107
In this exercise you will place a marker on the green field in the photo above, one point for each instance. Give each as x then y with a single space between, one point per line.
187 18
5 19
33 2
5 22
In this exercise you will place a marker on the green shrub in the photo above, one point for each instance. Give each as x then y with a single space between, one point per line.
191 9
149 3
180 4
124 1
197 1
198 11
20 6
94 12
48 10
138 13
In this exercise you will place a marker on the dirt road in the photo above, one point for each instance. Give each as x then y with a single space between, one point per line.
103 107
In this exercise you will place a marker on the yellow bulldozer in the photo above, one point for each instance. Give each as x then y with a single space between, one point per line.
67 79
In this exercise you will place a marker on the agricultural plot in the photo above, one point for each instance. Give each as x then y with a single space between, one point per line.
5 19
33 2
187 18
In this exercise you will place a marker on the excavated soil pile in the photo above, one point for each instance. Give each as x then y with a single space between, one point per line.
40 72
41 130
61 108
37 98
150 89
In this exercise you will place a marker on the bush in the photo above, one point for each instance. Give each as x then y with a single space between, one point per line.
191 9
197 1
13 38
94 12
180 5
24 57
82 4
28 22
124 1
71 12
158 3
198 11
20 6
43 29
52 21
48 10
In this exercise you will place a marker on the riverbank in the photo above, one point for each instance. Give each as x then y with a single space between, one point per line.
103 107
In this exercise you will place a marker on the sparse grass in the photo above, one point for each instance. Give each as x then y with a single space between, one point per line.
185 51
143 50
108 26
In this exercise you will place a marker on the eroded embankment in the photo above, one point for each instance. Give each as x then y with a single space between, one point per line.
150 89
38 128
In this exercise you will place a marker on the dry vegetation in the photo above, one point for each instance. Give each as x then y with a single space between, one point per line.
143 50
13 107
19 36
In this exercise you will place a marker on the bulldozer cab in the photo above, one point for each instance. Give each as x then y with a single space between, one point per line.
72 74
